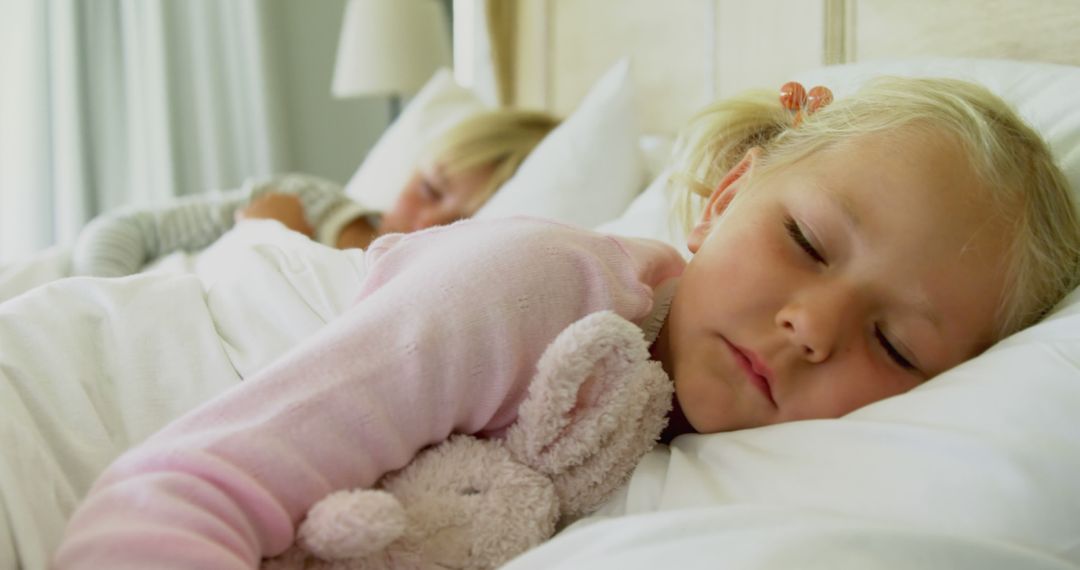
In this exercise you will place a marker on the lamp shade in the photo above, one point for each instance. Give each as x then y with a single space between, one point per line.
390 47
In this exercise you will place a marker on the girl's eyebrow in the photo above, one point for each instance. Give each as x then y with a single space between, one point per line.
847 208
922 305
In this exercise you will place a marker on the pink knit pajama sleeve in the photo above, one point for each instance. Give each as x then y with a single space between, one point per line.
444 338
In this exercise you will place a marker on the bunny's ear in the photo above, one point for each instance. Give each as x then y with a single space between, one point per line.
640 421
596 404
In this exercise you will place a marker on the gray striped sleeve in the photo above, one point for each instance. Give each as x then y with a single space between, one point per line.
122 242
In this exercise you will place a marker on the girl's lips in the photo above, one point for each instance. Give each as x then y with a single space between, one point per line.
755 369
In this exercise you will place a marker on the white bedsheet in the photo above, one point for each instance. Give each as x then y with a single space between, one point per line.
756 537
89 367
43 267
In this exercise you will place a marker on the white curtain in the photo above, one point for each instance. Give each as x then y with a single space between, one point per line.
111 102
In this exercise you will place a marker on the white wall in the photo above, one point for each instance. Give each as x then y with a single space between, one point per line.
326 136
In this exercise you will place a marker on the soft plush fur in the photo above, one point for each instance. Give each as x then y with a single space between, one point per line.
595 406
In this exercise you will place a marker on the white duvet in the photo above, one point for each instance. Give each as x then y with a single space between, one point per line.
89 367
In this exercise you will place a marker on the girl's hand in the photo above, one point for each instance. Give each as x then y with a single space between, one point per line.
358 233
285 208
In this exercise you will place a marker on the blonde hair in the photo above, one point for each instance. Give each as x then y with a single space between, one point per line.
1011 160
502 138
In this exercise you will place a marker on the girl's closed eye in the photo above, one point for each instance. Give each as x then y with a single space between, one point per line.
800 239
430 191
892 351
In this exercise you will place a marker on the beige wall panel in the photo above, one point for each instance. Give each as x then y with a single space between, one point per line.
689 52
669 43
532 54
761 44
685 52
1044 30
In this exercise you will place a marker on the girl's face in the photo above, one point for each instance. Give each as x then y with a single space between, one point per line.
852 275
431 198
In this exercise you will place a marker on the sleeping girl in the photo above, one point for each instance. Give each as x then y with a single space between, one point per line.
461 169
885 238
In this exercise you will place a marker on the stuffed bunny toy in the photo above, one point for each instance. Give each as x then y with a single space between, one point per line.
596 404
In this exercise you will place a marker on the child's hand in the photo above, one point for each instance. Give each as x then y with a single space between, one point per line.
285 208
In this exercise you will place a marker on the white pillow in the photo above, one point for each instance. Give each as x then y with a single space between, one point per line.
651 215
986 453
385 170
589 169
655 152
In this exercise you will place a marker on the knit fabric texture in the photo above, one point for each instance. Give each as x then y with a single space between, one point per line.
122 242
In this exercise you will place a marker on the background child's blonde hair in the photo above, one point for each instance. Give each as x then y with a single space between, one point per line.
502 138
1013 163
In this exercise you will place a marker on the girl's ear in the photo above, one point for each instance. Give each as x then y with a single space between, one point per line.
720 199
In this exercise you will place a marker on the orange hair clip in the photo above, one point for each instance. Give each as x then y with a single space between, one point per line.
795 97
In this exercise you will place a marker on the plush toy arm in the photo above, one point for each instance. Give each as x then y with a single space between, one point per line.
348 524
595 406
352 524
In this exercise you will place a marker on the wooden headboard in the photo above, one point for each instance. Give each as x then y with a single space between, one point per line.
686 53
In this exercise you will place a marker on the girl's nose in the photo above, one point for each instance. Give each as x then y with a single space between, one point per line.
815 320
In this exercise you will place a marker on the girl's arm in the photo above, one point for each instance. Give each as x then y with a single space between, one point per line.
120 243
444 337
285 208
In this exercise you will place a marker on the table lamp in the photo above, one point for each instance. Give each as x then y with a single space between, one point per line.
390 48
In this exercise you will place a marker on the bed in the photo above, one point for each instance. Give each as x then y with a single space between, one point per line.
975 469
